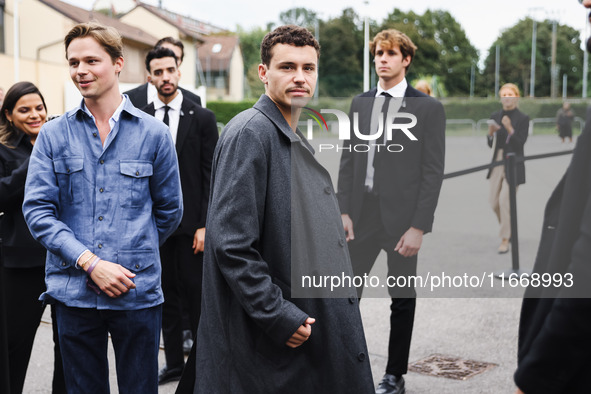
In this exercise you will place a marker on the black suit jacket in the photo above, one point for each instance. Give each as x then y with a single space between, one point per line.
409 180
196 139
139 95
520 123
555 324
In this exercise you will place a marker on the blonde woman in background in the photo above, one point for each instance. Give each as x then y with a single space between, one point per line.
507 133
423 86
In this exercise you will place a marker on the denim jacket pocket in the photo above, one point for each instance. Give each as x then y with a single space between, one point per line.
70 178
142 263
135 187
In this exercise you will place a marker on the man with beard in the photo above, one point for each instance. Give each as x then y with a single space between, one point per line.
145 94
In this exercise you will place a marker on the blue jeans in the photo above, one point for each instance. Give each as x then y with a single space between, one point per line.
83 335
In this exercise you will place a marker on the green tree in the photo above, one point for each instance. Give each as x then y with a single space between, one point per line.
300 17
341 60
250 45
443 51
515 58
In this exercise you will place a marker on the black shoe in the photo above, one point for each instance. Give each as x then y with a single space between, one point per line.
187 341
166 375
390 384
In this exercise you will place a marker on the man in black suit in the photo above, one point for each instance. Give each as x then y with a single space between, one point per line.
195 135
144 94
388 194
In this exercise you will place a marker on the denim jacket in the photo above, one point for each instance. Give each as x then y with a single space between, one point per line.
120 201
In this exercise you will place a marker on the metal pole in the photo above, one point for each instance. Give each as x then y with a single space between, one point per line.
366 51
511 171
497 68
317 36
553 71
564 80
532 80
585 60
472 72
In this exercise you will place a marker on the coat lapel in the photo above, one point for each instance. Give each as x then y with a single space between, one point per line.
407 105
149 109
268 108
186 116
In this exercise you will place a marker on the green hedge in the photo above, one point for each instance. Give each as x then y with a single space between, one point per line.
474 109
224 111
477 109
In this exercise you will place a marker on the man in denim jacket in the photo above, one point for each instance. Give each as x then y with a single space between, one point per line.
102 193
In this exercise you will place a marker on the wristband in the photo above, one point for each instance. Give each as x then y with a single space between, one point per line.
86 261
92 265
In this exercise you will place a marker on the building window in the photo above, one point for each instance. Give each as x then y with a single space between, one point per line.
2 27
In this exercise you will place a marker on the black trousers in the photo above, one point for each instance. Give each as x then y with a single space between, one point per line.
182 273
23 286
370 239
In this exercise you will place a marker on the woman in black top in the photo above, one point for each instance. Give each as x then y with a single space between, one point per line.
507 133
22 114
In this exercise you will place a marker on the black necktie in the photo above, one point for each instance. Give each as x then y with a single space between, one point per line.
387 100
381 150
165 119
384 114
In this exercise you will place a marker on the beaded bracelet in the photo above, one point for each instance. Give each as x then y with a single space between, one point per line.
92 265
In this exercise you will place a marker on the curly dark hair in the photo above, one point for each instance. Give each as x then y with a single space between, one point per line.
287 34
159 53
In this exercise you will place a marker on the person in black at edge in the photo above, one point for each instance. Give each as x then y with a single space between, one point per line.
22 114
555 324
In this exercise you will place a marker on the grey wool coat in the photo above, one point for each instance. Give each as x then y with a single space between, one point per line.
248 313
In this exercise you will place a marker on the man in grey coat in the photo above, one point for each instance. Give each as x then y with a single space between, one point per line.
254 337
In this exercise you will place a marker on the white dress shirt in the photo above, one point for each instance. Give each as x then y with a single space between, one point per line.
152 93
174 113
397 92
